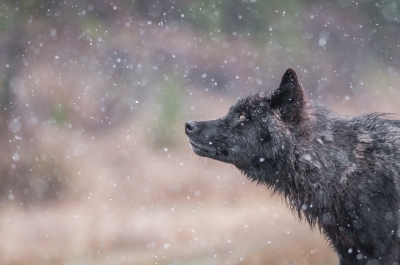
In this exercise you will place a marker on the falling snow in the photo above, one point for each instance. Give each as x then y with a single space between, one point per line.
95 164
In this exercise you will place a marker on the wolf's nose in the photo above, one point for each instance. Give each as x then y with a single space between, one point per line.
190 127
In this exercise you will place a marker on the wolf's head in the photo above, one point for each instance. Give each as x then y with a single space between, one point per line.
258 129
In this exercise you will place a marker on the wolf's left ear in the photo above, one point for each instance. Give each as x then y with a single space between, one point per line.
288 97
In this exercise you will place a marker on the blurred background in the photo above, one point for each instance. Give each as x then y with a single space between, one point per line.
95 167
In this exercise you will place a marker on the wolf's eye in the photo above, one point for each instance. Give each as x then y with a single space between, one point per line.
242 117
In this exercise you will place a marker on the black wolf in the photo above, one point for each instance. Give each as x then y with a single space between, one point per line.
338 173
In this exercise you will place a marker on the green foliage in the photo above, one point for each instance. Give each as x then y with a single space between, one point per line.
92 25
59 114
250 16
169 107
8 18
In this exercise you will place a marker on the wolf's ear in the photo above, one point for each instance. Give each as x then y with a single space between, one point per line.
288 97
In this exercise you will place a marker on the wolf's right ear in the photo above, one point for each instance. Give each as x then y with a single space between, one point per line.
288 97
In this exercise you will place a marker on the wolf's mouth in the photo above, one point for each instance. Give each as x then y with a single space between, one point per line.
208 151
193 144
200 148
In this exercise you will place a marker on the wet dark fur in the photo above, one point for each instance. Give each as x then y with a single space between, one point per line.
340 174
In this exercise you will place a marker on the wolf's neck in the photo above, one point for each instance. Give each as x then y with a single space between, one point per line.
308 167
